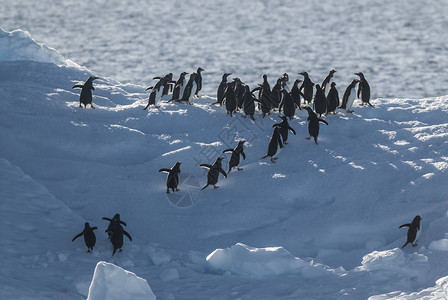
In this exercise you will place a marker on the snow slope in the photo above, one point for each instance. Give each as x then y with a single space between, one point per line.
336 205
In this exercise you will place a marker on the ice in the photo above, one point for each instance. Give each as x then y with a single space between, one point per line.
111 282
169 274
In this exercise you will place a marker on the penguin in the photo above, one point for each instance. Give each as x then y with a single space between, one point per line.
115 219
274 143
167 87
198 80
363 90
179 86
190 87
264 96
213 172
332 99
116 237
276 93
349 96
86 92
313 124
326 84
156 91
285 82
249 103
172 180
89 236
307 87
320 101
413 231
296 93
239 92
287 104
230 98
235 157
284 128
222 88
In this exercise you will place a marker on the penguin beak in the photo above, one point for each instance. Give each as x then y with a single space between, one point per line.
94 77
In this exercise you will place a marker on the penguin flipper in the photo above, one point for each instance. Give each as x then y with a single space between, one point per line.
323 121
292 130
205 186
276 125
264 156
78 86
243 155
77 236
107 219
127 234
370 104
123 223
148 88
165 170
227 150
223 172
405 225
404 244
93 228
207 166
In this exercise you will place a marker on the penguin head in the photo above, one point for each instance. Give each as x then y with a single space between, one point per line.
87 225
283 118
247 89
199 70
332 72
219 158
317 86
417 219
183 73
333 84
305 74
285 76
265 77
360 75
355 81
297 81
117 217
91 79
241 142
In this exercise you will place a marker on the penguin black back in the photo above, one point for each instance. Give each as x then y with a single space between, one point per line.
274 143
222 88
332 99
363 90
287 104
86 92
172 180
248 102
413 231
235 157
284 128
320 101
213 172
296 94
313 124
307 87
230 98
198 80
89 236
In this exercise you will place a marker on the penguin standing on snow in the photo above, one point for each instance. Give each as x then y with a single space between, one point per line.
276 93
349 96
89 236
235 157
222 88
284 129
179 86
213 172
115 219
288 105
313 124
264 96
332 99
363 90
296 93
198 80
156 91
167 87
320 101
285 82
326 84
190 87
239 92
116 236
230 98
86 92
274 143
249 103
413 231
307 87
172 180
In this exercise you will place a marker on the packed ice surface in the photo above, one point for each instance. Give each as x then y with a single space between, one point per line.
335 206
110 282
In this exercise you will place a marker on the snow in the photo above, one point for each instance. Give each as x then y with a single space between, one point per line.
320 223
110 282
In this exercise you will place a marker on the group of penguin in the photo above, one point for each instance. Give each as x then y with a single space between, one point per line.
236 95
115 232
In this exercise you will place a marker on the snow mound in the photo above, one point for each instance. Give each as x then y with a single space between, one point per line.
394 259
439 291
259 263
112 282
440 245
19 45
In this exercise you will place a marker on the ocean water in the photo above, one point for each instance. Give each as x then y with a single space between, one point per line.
400 46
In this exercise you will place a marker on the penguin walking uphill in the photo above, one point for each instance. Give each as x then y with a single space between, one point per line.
413 231
274 143
156 91
86 92
198 80
363 90
349 96
172 180
167 87
313 124
235 157
307 87
284 129
179 86
222 89
213 172
115 219
89 236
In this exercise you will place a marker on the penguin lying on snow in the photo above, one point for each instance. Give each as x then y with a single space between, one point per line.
313 124
86 92
274 143
235 158
213 172
115 219
89 236
172 180
413 231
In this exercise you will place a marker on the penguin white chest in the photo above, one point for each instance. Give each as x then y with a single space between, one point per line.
328 87
193 90
351 99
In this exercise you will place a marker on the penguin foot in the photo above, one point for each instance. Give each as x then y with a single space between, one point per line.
414 245
121 250
239 169
308 138
215 186
177 189
350 111
91 105
167 191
